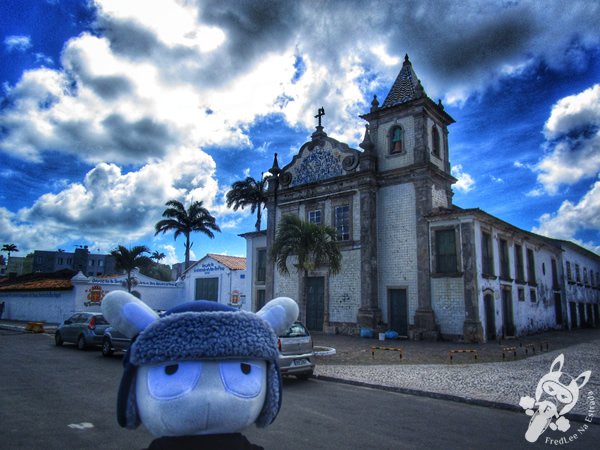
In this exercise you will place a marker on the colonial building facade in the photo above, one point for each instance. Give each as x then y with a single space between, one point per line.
411 260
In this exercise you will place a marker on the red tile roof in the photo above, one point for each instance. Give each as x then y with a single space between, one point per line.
56 281
38 285
231 262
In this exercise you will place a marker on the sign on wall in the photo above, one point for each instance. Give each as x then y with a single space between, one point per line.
95 295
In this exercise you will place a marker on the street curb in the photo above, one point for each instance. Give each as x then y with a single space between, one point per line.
448 397
21 329
11 328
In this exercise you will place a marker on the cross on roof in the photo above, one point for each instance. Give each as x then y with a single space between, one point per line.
320 113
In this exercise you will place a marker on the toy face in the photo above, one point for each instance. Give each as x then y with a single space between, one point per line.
200 397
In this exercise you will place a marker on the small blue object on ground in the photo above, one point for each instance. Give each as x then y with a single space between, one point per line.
366 333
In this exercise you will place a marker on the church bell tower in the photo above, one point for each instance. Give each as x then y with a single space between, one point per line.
408 134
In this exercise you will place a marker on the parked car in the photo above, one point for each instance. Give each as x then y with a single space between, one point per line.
296 352
295 349
114 341
86 329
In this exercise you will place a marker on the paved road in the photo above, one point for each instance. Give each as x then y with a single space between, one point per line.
62 398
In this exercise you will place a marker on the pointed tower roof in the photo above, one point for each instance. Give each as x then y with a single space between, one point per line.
407 86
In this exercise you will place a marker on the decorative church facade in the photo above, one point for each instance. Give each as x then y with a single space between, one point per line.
411 260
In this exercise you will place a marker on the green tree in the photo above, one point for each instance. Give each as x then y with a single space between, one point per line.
313 246
129 259
8 248
157 256
182 221
249 192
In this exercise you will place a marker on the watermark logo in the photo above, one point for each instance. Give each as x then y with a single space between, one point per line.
556 394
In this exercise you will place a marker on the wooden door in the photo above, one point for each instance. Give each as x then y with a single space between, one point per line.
315 301
398 311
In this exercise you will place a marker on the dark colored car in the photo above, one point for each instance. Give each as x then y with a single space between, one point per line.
86 329
113 341
296 352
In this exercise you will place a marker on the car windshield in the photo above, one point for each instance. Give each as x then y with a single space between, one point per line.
296 330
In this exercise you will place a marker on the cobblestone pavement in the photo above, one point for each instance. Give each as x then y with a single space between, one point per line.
425 366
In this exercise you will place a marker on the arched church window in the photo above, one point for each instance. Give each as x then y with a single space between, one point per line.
396 140
435 138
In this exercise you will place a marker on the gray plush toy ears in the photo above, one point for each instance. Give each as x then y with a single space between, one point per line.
127 313
130 316
280 313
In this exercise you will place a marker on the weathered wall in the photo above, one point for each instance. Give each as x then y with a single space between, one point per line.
344 289
447 301
397 244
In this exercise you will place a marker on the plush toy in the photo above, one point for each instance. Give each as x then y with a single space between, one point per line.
201 372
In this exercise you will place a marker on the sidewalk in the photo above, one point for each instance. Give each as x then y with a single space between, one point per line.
16 325
425 367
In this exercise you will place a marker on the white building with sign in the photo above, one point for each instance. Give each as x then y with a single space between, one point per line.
218 278
53 297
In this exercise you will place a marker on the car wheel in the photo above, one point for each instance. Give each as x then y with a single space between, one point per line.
58 340
107 349
81 345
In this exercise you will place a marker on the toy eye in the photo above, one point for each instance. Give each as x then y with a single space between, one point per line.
169 381
242 379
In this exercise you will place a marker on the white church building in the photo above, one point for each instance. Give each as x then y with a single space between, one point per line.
412 261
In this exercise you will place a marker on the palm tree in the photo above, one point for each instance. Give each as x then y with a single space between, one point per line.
128 259
249 192
313 245
182 221
9 248
157 256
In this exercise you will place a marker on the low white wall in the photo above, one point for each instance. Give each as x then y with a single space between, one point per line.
43 306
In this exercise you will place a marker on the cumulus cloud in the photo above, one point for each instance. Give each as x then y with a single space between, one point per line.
17 43
573 141
465 181
159 74
573 217
157 77
572 156
110 206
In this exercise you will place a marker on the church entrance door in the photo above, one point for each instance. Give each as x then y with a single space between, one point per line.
315 301
490 317
398 311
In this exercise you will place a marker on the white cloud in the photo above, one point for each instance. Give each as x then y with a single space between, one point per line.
465 181
17 43
572 218
574 113
162 74
573 134
109 206
170 254
160 79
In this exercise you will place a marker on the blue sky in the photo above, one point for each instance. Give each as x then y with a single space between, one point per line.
109 108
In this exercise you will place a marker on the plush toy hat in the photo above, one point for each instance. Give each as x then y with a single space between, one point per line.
199 331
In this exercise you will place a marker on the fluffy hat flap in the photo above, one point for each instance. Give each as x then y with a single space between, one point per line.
213 334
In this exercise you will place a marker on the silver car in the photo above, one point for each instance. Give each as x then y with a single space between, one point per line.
85 329
114 341
296 352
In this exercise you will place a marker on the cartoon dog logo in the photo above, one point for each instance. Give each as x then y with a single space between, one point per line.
556 394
